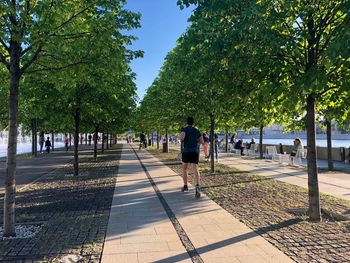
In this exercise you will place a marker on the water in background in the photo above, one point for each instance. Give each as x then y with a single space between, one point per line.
24 144
319 142
322 143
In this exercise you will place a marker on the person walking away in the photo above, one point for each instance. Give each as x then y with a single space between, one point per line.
191 137
66 142
206 145
90 138
48 145
142 140
41 141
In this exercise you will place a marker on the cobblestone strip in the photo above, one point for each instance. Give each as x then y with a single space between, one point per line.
72 211
191 250
278 212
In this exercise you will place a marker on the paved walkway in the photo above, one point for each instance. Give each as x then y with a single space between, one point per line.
332 183
140 230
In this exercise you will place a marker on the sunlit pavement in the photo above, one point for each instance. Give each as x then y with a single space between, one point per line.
140 230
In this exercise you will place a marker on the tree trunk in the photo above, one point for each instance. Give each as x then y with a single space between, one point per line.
157 139
152 139
76 137
329 146
52 141
70 141
33 140
86 138
314 195
166 141
36 137
103 143
226 142
10 181
212 141
95 143
261 141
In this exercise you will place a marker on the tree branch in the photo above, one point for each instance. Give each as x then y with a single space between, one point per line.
4 45
325 91
69 20
45 68
4 61
31 61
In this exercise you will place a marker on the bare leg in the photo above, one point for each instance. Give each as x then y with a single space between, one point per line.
184 172
197 176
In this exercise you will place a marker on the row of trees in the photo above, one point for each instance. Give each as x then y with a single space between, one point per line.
66 65
244 64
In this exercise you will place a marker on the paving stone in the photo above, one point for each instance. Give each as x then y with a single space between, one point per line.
264 205
74 212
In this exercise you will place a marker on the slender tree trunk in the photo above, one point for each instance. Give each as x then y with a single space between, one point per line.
36 137
166 141
103 143
329 146
152 139
261 141
53 141
70 141
10 181
95 143
157 139
226 142
314 195
33 140
76 136
212 141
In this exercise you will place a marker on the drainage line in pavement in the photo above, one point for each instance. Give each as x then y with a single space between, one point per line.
191 250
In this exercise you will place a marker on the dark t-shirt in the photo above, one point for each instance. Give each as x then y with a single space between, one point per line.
191 139
142 137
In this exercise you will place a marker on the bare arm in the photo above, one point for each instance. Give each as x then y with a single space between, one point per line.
201 140
182 136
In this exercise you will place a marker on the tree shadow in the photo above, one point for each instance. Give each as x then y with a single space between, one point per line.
233 240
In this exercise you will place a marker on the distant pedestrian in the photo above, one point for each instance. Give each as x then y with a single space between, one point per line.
48 145
143 141
191 137
206 145
66 142
90 138
41 141
348 156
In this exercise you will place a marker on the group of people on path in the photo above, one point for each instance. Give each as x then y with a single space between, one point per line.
42 142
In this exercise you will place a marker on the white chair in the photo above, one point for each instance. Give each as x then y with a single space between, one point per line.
301 154
254 150
271 152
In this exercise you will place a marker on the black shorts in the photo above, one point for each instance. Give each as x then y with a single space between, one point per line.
191 157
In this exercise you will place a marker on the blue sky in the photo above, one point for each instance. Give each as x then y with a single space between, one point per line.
162 23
